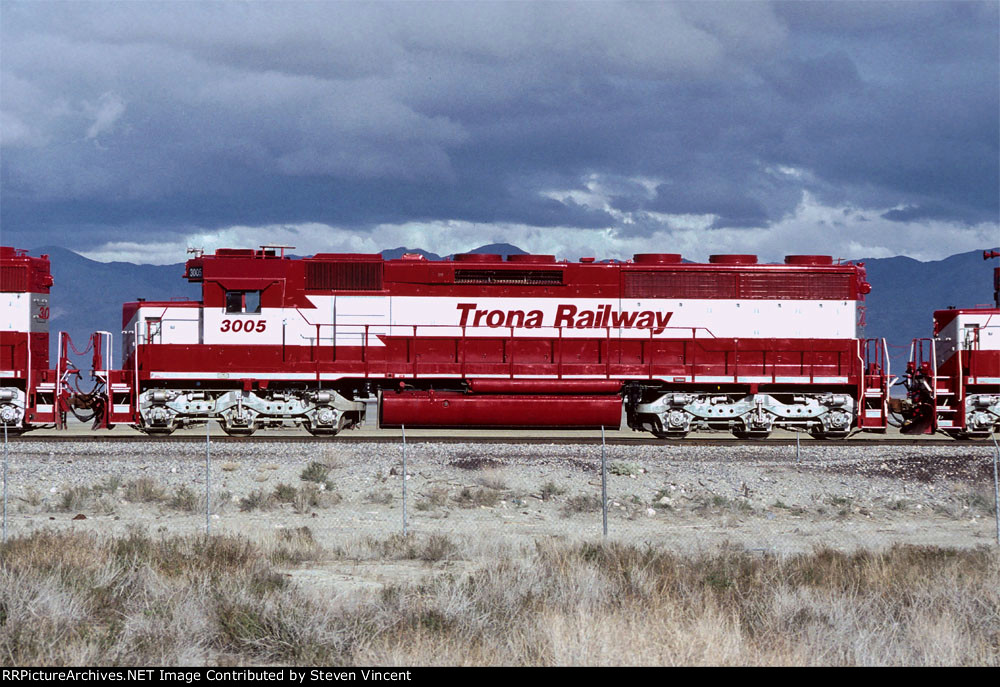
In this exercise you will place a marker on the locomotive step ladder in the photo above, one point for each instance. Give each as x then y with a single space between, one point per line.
942 386
874 410
943 395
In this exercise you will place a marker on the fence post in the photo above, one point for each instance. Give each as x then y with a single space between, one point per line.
5 482
604 484
208 477
403 428
996 485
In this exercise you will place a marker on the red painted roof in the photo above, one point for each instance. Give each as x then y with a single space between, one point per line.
21 273
285 281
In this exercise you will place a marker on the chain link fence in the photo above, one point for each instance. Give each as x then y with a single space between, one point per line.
784 498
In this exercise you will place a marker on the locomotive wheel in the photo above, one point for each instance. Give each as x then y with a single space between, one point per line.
969 436
818 433
239 431
321 432
740 431
157 431
751 436
656 427
325 431
669 435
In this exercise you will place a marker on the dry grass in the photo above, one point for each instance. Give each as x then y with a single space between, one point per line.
108 496
144 490
550 489
582 503
186 500
72 598
382 497
474 498
257 500
311 496
431 549
436 497
493 480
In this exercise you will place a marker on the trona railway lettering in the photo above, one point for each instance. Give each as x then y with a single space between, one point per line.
566 316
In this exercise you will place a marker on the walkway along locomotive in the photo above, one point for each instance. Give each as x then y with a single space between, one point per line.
479 341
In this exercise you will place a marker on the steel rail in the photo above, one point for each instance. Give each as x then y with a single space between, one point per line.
479 439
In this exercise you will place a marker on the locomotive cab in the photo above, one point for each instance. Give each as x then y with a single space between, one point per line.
226 357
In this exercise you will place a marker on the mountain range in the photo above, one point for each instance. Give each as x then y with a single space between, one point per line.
87 295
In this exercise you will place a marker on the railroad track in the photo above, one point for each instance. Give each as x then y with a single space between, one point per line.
395 438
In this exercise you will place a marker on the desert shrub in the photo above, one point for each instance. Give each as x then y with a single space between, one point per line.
75 498
284 493
381 497
256 500
437 497
316 472
550 489
144 490
473 498
582 503
618 467
184 499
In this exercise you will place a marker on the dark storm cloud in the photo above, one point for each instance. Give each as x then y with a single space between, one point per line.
122 120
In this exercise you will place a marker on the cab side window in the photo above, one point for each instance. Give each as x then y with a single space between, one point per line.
234 301
251 301
242 301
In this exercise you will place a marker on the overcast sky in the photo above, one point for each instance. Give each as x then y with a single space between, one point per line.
131 131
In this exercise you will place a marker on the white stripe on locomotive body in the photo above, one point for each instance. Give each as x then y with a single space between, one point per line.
659 318
236 375
24 312
344 319
177 325
978 331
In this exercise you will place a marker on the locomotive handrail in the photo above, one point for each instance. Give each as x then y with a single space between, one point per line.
488 329
917 358
484 331
888 361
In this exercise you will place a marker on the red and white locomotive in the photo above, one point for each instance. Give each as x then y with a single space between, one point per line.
482 341
953 379
28 388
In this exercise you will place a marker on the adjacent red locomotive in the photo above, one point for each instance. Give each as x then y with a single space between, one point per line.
28 388
953 379
487 342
